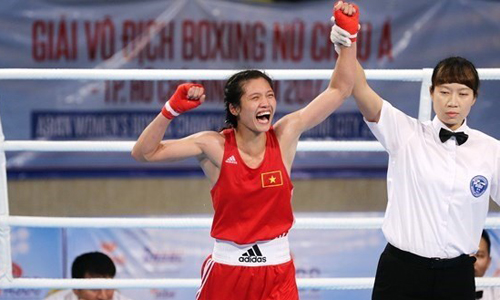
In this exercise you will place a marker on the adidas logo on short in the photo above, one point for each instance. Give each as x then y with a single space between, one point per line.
253 255
231 160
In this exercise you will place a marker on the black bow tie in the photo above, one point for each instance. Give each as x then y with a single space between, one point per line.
479 294
445 135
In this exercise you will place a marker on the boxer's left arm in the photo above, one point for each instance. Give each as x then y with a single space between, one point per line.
290 127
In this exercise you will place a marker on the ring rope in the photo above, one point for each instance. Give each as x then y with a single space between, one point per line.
353 283
171 74
193 223
144 74
178 223
126 146
187 283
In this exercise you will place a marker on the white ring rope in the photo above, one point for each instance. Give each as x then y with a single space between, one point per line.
179 223
142 74
193 223
126 146
207 74
188 283
358 283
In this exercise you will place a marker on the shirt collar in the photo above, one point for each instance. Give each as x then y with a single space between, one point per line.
437 125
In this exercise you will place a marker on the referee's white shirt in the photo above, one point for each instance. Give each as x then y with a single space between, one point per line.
438 192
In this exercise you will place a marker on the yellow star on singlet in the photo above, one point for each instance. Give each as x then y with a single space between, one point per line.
272 179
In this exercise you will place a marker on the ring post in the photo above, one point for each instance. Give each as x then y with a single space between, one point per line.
5 254
425 107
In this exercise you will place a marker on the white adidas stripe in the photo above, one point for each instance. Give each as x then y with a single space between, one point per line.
255 250
231 160
204 276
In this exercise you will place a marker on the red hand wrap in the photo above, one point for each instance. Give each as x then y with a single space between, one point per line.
348 23
179 102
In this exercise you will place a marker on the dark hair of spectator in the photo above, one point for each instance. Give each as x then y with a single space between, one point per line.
93 264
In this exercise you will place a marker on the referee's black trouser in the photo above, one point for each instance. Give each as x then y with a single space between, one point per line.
402 275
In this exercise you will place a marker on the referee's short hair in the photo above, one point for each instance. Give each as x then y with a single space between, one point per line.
456 69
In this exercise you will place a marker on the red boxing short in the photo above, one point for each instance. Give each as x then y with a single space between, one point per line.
260 271
220 281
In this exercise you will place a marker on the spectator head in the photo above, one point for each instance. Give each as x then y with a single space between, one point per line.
93 265
483 257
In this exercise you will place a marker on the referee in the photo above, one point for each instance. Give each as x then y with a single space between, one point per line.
440 177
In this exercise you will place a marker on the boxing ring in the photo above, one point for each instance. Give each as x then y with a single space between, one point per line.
6 220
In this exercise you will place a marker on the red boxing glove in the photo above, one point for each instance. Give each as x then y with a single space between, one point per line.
348 23
179 102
